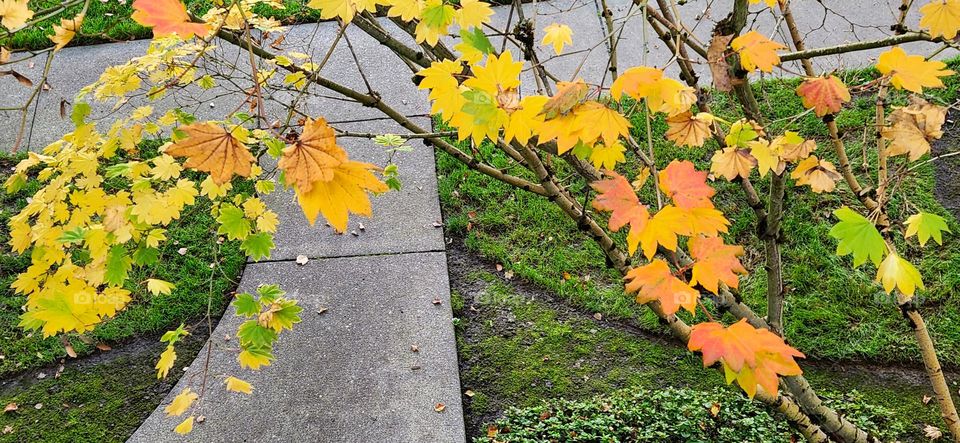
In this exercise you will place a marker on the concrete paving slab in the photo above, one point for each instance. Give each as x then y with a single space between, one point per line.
347 375
403 221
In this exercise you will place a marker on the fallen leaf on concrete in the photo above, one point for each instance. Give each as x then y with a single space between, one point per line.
437 301
302 259
321 311
414 348
440 407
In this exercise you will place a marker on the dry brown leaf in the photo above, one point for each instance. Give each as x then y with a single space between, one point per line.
10 407
211 148
20 77
440 407
913 127
820 175
314 157
717 60
932 432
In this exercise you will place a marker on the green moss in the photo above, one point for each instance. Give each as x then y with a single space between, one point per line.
102 402
833 310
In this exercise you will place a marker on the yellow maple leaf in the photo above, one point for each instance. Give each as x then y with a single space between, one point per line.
941 17
791 146
595 121
731 163
434 20
894 271
159 287
911 72
769 3
407 10
757 51
14 13
64 32
185 427
820 175
686 129
562 130
473 13
607 156
344 9
557 35
211 148
344 194
181 403
766 156
498 74
253 360
165 363
234 384
526 120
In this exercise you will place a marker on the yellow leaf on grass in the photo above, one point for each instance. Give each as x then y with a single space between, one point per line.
757 51
894 271
64 32
234 384
185 427
557 35
911 72
159 287
14 13
181 403
314 157
211 148
346 193
941 17
167 358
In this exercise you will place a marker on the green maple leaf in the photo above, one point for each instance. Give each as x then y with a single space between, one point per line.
251 333
925 225
258 245
858 236
233 223
269 293
286 316
118 266
475 38
246 305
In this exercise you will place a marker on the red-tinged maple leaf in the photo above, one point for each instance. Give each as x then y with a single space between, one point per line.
618 197
715 262
825 95
655 282
686 186
749 355
167 17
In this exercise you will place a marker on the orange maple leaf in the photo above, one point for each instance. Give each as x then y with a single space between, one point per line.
825 95
671 221
167 17
211 148
655 282
757 51
686 186
749 355
715 262
618 197
314 156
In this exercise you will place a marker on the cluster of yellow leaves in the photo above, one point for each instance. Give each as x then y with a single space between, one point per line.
325 180
751 356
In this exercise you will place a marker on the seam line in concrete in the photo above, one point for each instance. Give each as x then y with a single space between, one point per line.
378 254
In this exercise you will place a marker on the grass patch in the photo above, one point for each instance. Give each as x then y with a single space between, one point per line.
525 350
196 287
832 310
109 20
